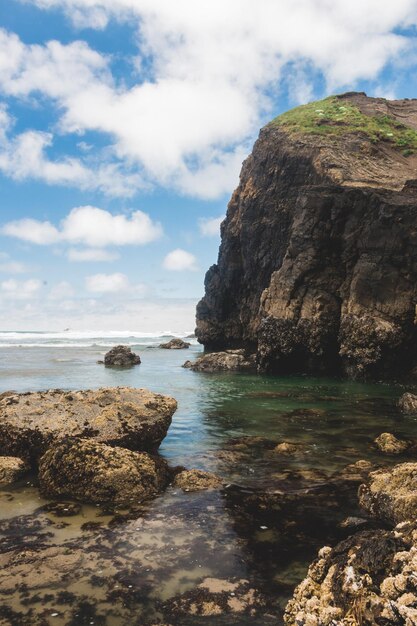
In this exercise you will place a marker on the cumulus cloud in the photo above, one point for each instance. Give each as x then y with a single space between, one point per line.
210 69
179 260
210 227
113 284
89 226
20 290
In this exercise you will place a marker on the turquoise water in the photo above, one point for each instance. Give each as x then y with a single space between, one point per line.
263 527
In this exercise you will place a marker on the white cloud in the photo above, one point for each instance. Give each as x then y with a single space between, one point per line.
20 290
89 226
210 66
13 267
179 260
91 255
107 283
61 291
210 227
24 156
113 284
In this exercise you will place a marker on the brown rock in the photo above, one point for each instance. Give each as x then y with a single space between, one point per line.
121 356
12 469
137 419
197 480
229 360
311 272
389 444
94 472
391 493
175 344
408 403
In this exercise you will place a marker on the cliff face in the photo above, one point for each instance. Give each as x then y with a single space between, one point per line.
317 268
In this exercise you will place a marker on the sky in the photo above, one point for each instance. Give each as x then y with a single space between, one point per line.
123 127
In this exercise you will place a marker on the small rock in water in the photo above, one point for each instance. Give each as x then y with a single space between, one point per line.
175 344
197 480
121 356
389 444
408 403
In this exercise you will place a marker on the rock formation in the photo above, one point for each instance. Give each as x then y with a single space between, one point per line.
197 480
121 356
317 269
30 423
11 469
93 472
229 360
175 344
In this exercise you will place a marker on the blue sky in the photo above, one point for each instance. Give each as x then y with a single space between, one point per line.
123 126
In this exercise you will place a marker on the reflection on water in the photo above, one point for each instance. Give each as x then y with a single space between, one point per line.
81 565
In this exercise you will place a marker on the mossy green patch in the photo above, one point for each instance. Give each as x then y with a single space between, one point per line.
333 116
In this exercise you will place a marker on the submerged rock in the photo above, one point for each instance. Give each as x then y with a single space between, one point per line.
197 480
290 449
408 403
311 274
94 472
389 444
121 356
367 579
215 597
30 423
12 469
391 494
175 344
229 360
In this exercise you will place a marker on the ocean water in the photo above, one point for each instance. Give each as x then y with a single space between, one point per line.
265 526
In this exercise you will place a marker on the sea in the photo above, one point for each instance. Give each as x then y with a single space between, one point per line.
264 527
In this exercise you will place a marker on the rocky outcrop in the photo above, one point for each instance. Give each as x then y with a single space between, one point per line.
175 344
94 472
408 403
370 577
197 480
391 494
30 423
12 469
389 444
317 269
121 356
229 360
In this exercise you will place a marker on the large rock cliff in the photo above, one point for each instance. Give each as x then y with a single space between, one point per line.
317 268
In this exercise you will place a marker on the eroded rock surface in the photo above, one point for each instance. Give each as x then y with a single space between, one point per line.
30 423
94 472
197 480
367 579
12 469
391 494
229 360
408 403
317 264
175 344
121 356
389 444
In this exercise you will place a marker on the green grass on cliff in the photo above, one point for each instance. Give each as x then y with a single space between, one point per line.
333 116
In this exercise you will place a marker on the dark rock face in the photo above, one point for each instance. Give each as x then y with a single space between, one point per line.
30 423
317 269
121 356
175 344
93 472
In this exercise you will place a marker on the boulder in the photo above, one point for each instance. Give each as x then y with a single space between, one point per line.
197 480
391 493
121 356
93 472
11 469
229 360
408 403
30 423
367 579
389 444
175 344
289 449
